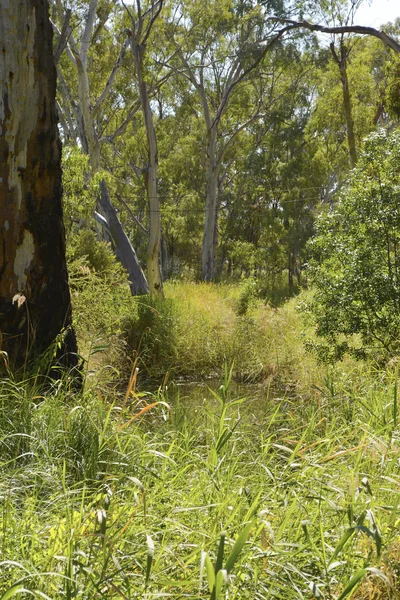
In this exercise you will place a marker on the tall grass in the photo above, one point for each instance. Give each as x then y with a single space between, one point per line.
199 326
151 495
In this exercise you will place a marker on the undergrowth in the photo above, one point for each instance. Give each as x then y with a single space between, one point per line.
148 495
190 334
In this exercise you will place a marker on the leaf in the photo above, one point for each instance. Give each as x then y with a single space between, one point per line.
202 565
314 590
355 580
222 576
237 547
220 555
210 573
379 573
137 482
14 589
139 414
375 532
150 556
19 299
343 540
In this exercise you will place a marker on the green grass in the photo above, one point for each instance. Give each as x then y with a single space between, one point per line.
103 497
193 332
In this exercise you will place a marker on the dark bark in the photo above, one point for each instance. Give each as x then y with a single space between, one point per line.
34 294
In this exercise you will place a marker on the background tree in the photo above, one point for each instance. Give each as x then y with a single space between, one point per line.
87 119
142 22
219 47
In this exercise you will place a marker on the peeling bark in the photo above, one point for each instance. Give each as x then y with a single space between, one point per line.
34 294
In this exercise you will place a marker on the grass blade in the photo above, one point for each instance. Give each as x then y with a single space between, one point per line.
237 547
220 555
343 540
14 589
150 556
210 573
355 580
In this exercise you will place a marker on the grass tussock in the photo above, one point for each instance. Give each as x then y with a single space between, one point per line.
150 495
197 328
190 334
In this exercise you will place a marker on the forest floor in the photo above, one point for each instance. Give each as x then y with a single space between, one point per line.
291 491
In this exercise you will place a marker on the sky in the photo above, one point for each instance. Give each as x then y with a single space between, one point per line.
377 12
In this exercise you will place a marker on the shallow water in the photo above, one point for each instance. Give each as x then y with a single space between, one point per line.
192 401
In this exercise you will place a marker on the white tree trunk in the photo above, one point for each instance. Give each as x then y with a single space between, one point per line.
154 276
210 224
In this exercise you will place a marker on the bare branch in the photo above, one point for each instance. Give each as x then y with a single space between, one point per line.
87 34
64 35
198 85
132 215
153 19
358 29
67 40
123 127
241 75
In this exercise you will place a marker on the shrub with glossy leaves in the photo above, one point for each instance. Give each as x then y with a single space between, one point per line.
355 269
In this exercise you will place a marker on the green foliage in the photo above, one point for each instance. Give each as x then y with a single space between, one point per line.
247 296
98 255
79 190
199 326
210 496
393 88
100 293
355 269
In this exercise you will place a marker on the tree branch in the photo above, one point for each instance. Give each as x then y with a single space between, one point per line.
87 34
64 35
106 92
359 29
132 215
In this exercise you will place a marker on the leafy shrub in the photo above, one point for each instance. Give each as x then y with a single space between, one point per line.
356 260
100 294
247 296
150 332
98 255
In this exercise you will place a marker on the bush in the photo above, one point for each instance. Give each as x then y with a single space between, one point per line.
101 298
356 260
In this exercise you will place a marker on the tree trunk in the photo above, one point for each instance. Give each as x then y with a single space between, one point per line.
351 140
348 113
153 249
208 249
124 249
34 295
86 129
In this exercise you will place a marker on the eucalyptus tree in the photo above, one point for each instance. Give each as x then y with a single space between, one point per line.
276 183
339 16
142 20
87 119
367 74
219 47
34 294
342 13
